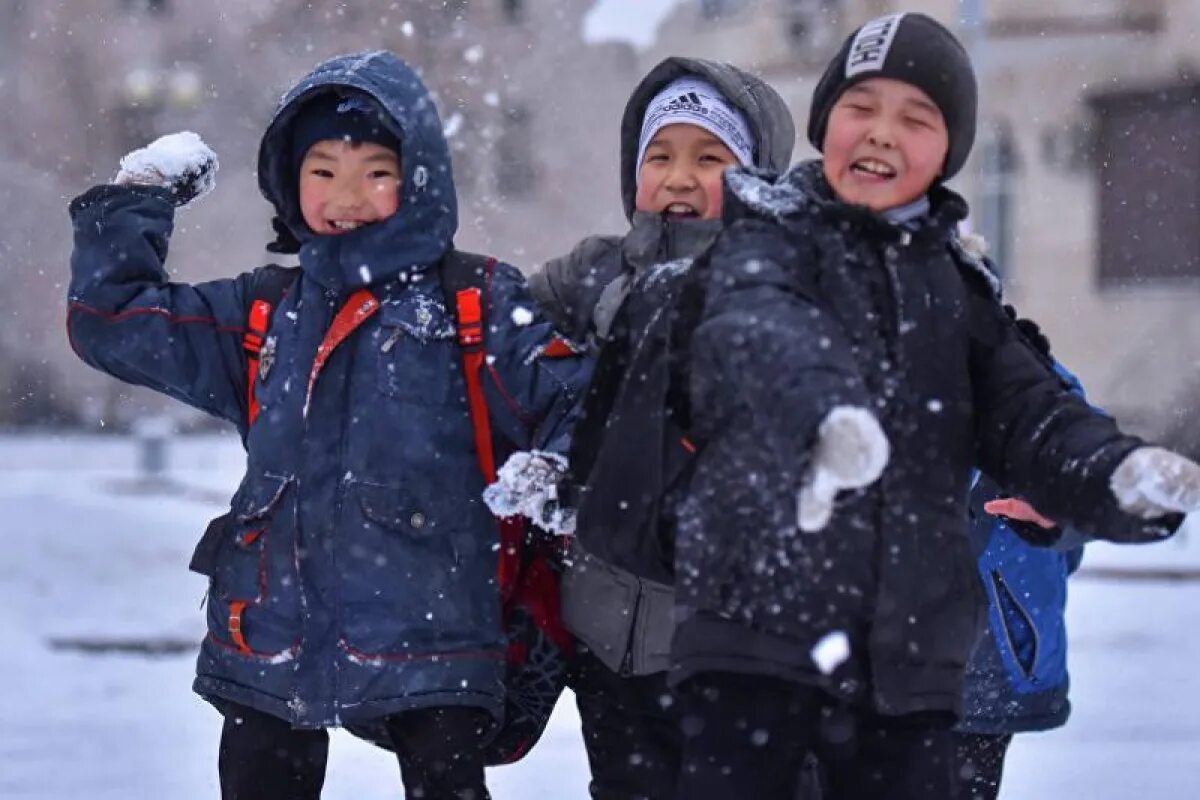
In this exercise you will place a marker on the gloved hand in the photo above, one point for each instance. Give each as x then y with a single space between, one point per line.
527 485
181 162
850 453
1152 482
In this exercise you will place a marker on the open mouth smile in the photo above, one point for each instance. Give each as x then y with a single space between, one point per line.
873 168
680 211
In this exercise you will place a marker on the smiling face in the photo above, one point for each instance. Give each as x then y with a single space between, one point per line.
345 185
680 174
885 144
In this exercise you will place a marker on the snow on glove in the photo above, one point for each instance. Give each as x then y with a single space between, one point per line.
850 453
1151 482
527 485
181 162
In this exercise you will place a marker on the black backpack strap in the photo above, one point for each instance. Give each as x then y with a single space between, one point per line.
268 285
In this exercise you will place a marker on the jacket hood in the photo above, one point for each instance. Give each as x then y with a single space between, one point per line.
422 228
769 118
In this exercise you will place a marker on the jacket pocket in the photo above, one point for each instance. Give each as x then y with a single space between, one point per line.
241 556
395 509
599 602
403 586
416 354
204 557
1018 633
653 628
244 615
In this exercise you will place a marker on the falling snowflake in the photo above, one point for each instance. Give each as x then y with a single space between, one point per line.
831 651
522 316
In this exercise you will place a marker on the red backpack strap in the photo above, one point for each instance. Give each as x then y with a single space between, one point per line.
267 287
257 322
469 310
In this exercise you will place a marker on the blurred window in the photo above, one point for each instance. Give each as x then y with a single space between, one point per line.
1148 158
999 162
514 10
812 26
146 6
515 173
719 9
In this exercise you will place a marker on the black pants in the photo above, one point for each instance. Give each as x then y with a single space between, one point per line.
980 764
630 729
749 736
264 758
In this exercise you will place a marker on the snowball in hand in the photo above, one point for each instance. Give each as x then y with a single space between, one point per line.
527 485
850 453
181 162
1152 481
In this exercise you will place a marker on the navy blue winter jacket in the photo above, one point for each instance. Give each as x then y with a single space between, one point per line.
359 562
1016 680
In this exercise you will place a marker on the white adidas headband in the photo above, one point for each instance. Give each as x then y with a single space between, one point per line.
692 101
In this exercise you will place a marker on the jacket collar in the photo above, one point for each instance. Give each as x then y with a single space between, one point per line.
803 191
655 238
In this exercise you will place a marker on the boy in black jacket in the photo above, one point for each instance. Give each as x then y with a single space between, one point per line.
852 364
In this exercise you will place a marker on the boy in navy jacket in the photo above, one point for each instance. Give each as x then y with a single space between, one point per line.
355 581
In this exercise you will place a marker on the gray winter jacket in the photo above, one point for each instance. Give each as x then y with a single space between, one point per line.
624 615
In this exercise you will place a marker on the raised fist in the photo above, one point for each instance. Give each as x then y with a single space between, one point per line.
181 162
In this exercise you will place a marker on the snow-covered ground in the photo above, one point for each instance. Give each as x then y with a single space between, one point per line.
88 552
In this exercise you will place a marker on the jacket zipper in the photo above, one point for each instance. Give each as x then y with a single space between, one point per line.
1002 586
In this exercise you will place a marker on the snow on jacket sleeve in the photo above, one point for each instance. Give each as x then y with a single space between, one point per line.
126 319
532 396
764 343
1043 442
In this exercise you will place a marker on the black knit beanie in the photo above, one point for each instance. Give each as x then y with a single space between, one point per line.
354 116
918 50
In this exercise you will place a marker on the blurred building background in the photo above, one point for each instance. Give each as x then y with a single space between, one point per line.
1085 177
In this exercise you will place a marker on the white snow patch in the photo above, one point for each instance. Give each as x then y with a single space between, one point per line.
453 125
775 199
473 54
831 652
664 271
522 316
527 486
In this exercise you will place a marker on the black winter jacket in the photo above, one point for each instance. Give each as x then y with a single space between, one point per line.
812 303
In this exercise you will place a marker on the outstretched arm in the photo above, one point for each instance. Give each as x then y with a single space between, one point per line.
767 350
1042 442
125 318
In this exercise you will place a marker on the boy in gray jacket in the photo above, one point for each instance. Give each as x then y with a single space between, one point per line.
686 122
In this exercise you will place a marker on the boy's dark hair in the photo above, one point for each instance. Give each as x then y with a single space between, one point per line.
917 50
